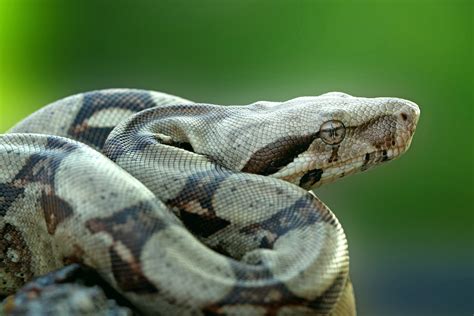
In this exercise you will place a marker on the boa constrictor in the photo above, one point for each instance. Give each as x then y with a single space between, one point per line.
192 209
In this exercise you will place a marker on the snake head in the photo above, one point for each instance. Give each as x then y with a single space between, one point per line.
337 134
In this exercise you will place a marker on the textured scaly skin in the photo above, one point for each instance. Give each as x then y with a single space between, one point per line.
192 209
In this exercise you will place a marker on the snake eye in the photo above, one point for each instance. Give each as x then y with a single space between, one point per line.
332 132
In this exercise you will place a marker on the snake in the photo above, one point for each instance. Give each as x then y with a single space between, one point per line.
188 208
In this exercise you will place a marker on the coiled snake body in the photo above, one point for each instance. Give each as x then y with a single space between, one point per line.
192 209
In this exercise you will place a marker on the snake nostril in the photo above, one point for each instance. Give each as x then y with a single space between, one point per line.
404 116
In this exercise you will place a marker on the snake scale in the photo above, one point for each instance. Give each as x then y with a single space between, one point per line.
192 209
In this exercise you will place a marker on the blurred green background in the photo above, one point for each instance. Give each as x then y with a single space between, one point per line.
409 223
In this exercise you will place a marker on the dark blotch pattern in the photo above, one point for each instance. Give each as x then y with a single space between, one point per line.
367 158
8 194
200 187
55 210
203 225
94 136
278 154
334 154
129 276
42 168
311 178
94 102
300 214
64 145
275 296
132 227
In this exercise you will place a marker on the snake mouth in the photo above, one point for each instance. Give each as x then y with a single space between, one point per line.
379 156
312 175
358 163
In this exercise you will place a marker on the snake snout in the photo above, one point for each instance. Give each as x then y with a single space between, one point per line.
408 115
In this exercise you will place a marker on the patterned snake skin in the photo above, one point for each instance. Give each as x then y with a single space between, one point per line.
192 209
